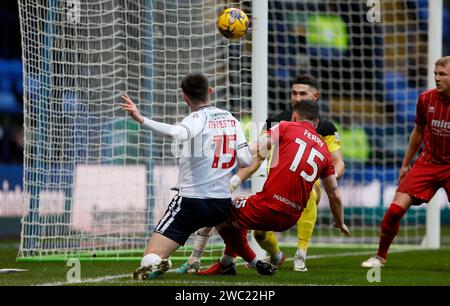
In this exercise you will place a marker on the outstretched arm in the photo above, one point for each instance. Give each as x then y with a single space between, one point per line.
178 132
129 106
336 206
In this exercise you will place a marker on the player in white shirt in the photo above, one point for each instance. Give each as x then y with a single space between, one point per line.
214 145
211 155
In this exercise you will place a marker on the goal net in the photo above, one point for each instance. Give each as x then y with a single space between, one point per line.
95 182
370 58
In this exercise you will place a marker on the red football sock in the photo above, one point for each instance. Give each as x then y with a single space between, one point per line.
389 228
237 243
229 251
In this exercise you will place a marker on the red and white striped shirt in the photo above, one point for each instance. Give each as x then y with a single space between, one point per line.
434 112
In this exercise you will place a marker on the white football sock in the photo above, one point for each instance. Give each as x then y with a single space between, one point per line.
253 263
150 260
200 240
227 259
301 253
277 257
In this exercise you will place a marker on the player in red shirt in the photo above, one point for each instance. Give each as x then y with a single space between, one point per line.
300 158
431 171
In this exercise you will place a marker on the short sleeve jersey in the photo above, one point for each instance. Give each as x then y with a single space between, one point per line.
299 159
215 140
434 112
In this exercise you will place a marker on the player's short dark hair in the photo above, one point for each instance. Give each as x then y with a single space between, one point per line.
306 79
195 86
308 110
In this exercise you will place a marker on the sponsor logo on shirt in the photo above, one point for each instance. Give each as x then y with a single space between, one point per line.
440 127
440 124
288 202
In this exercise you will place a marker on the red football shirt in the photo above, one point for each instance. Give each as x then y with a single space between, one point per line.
299 158
434 112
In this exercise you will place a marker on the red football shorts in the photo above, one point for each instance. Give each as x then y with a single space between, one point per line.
251 214
424 179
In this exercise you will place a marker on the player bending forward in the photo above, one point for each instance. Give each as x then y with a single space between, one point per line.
431 171
300 157
305 87
213 145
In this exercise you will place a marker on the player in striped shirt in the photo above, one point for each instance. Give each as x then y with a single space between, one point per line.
431 170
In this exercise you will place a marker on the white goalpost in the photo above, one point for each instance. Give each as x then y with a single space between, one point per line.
95 183
432 237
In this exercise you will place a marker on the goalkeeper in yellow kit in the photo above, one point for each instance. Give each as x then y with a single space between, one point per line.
304 87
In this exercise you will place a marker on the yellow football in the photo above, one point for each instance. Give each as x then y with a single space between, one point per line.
233 23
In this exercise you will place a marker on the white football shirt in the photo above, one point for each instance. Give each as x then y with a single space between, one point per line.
215 146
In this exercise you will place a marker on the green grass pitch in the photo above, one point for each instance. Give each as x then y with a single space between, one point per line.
327 266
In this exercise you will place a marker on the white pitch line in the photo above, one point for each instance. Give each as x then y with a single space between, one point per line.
88 280
114 277
214 283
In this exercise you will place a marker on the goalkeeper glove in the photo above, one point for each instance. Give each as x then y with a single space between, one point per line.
234 183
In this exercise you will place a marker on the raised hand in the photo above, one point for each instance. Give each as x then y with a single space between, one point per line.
129 106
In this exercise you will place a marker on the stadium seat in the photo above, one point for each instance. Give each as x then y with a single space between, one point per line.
8 103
